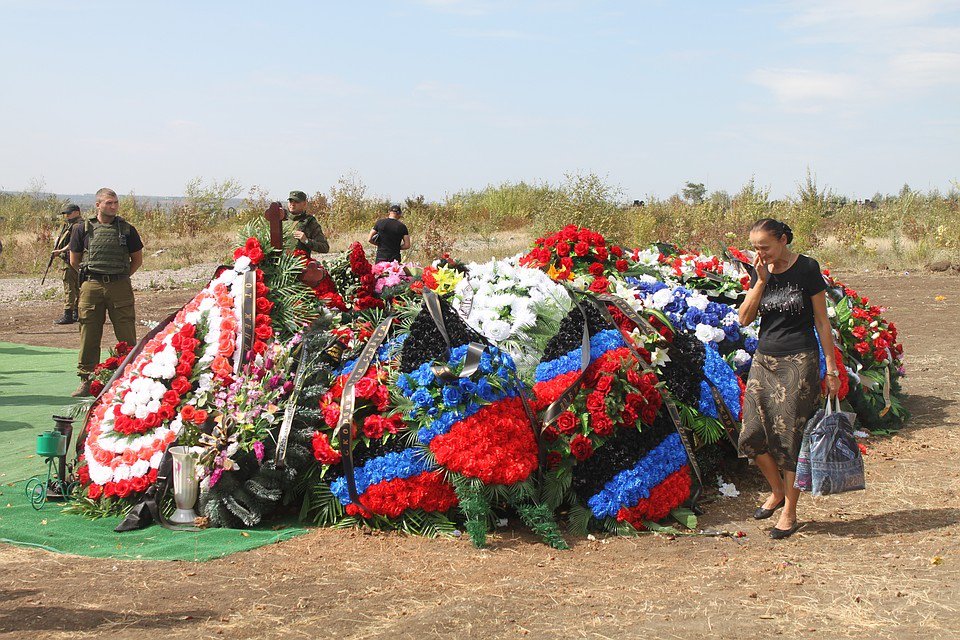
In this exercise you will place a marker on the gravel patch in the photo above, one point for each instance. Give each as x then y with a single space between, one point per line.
13 289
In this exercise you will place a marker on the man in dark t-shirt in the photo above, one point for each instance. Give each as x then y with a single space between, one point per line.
390 235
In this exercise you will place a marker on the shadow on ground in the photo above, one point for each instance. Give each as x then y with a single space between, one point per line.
907 521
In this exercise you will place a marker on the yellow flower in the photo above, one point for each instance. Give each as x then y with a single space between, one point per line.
447 280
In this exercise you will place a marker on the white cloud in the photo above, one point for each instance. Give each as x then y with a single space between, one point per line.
804 89
879 48
927 68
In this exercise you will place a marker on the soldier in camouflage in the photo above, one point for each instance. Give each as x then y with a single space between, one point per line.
306 230
71 282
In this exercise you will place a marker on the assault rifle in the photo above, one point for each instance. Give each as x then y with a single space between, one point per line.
53 254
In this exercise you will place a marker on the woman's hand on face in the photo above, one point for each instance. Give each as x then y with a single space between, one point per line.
833 386
763 271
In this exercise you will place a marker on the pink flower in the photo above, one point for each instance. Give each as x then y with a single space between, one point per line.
258 450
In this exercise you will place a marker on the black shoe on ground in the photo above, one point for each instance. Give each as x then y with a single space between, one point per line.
763 514
780 534
66 318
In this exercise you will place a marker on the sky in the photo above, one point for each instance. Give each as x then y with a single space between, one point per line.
434 96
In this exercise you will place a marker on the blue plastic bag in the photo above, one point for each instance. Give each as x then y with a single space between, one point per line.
830 460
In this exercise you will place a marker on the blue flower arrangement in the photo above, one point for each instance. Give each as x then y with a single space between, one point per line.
628 487
682 315
438 406
600 343
717 371
400 464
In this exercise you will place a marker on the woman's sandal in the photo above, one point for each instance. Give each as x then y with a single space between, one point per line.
763 514
780 534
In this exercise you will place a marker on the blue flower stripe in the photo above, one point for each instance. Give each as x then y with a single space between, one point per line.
399 464
717 371
628 487
600 343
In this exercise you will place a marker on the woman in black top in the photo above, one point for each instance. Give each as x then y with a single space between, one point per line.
783 389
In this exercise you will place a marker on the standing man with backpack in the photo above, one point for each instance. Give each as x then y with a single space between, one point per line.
390 235
71 282
106 250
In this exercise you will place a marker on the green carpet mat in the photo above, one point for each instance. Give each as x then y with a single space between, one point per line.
35 383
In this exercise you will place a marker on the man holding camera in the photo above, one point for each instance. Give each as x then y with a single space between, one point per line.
306 230
106 250
71 282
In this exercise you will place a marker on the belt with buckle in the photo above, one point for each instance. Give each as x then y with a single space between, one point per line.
104 278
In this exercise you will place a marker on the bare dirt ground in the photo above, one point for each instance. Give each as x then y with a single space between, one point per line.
884 563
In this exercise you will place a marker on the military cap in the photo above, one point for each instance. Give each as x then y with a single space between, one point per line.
70 208
298 196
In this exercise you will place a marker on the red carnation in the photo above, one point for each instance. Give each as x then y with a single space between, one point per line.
166 412
171 397
862 348
83 474
581 249
581 447
374 427
622 265
96 387
596 269
322 451
601 251
616 251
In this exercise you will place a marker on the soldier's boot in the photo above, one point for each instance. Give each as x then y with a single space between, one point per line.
83 390
76 315
67 318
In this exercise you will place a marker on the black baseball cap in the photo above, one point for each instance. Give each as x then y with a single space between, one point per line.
394 208
297 196
70 208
